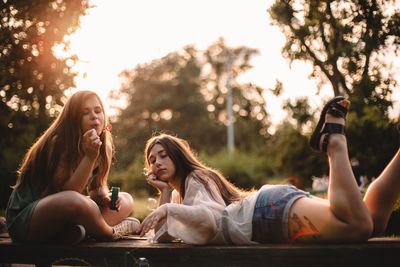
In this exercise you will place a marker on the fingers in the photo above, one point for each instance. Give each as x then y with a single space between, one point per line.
91 142
118 204
150 176
90 133
95 139
152 220
149 223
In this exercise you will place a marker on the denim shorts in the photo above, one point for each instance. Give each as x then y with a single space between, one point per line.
271 213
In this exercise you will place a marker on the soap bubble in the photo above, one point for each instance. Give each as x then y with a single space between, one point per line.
152 204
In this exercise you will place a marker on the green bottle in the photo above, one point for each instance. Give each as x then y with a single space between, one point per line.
114 197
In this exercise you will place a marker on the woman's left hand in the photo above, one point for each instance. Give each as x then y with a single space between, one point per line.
152 220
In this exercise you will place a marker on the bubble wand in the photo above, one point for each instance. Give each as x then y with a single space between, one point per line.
107 128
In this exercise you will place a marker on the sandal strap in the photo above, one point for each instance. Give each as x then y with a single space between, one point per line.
337 110
330 128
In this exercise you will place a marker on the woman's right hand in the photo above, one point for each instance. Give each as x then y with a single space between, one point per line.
153 180
91 144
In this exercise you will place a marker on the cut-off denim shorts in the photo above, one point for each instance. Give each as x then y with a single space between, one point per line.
271 213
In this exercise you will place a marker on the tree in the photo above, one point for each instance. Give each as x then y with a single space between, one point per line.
249 106
162 95
32 78
351 45
346 41
184 93
299 111
293 157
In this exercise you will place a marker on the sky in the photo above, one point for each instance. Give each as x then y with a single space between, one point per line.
120 34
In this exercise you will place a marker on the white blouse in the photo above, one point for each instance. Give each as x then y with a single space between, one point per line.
203 218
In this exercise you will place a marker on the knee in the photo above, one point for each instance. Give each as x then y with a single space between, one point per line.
361 230
127 201
76 203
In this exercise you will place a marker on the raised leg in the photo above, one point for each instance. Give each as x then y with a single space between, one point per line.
383 193
344 216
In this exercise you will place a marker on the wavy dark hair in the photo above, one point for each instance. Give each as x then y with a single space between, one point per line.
187 164
62 141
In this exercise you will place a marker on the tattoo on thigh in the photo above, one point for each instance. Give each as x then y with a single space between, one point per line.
304 230
298 222
310 225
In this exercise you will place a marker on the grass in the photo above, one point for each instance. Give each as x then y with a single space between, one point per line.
141 208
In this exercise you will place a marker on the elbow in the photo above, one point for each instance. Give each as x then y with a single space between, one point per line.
206 235
202 237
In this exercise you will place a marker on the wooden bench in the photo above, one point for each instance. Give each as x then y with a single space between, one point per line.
376 252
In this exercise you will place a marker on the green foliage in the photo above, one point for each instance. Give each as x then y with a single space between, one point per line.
373 139
346 41
163 95
293 156
132 179
32 79
300 111
183 93
246 170
350 44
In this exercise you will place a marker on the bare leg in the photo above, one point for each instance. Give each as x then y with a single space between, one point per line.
383 193
344 217
113 217
55 212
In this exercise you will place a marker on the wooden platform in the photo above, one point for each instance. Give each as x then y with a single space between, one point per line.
376 252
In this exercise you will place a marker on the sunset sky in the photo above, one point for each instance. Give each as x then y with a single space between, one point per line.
120 34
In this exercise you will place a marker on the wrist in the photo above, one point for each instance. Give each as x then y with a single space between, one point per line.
165 191
90 159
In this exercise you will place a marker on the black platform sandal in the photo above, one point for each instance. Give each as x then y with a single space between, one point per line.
335 109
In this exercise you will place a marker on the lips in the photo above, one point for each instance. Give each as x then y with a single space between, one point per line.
161 171
95 126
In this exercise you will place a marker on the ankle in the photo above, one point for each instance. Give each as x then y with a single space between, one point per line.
337 143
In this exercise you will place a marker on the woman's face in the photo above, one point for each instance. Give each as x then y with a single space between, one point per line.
161 164
92 115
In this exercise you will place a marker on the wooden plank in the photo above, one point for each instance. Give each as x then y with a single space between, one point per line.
378 251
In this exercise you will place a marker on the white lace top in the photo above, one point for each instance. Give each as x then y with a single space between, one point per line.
203 218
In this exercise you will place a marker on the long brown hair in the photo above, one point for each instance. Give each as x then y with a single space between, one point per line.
186 163
62 142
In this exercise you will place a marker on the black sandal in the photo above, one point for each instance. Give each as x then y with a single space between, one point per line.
335 109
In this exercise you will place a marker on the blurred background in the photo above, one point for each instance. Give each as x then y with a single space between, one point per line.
258 70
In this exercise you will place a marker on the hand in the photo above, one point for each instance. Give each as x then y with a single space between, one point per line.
117 202
103 198
105 201
152 220
153 180
91 144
